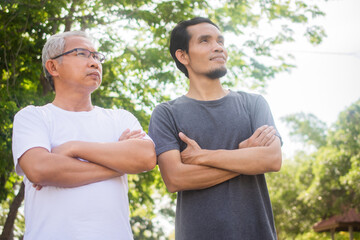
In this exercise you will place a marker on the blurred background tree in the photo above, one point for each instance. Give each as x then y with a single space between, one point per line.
315 186
138 73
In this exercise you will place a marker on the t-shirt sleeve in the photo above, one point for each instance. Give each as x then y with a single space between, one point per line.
261 115
128 120
162 130
29 131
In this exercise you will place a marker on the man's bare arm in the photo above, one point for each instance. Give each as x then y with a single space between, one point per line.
57 169
129 156
179 176
47 169
250 160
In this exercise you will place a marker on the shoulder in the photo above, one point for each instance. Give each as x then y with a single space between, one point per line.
170 105
249 97
251 100
165 107
165 110
32 111
32 119
26 110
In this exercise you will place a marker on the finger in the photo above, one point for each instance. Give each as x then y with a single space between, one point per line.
124 134
185 138
37 186
135 132
243 144
264 136
271 140
267 136
258 131
138 135
265 132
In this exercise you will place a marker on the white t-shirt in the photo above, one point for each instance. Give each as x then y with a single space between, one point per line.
94 211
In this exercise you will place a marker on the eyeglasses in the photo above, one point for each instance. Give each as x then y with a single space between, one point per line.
81 52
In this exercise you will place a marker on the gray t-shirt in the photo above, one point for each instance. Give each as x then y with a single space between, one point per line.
239 208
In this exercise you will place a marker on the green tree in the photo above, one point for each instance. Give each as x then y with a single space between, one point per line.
307 128
139 71
317 185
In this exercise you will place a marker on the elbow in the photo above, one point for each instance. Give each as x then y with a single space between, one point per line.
37 175
274 157
276 163
150 160
172 190
173 185
146 161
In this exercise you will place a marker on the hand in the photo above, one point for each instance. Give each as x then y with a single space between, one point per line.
263 136
64 149
127 134
192 151
37 186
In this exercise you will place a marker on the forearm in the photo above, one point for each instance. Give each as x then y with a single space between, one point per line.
48 169
192 177
129 156
250 161
179 176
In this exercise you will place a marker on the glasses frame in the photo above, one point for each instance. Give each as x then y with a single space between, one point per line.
93 54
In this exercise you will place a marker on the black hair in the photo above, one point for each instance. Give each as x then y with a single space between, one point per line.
180 38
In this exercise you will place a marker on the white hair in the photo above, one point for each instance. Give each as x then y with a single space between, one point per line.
55 46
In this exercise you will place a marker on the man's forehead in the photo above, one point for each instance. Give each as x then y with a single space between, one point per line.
203 29
78 42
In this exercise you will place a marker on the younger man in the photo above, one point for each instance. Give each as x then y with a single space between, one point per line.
214 145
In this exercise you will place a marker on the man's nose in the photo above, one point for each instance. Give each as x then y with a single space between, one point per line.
218 47
93 62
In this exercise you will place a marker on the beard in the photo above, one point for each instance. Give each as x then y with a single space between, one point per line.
217 73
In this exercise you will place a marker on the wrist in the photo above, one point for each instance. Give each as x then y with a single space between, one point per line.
203 157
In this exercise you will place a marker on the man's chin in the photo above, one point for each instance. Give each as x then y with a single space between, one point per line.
217 73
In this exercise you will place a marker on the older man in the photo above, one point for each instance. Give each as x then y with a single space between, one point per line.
78 154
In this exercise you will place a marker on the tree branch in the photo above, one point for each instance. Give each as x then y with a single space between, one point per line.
7 232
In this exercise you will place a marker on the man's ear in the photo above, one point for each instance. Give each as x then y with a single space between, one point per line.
182 56
52 67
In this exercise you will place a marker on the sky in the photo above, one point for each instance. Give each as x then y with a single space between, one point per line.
327 78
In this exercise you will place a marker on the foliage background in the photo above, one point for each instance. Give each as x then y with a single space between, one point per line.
139 73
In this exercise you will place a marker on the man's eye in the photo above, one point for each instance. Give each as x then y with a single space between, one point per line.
82 54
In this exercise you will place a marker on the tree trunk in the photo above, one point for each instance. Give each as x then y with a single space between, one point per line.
7 233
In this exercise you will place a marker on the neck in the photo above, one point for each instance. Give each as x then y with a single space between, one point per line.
73 102
205 89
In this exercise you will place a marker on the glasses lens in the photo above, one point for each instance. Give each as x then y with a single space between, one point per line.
82 52
87 53
100 57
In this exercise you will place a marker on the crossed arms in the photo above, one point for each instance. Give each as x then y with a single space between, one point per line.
61 168
196 168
